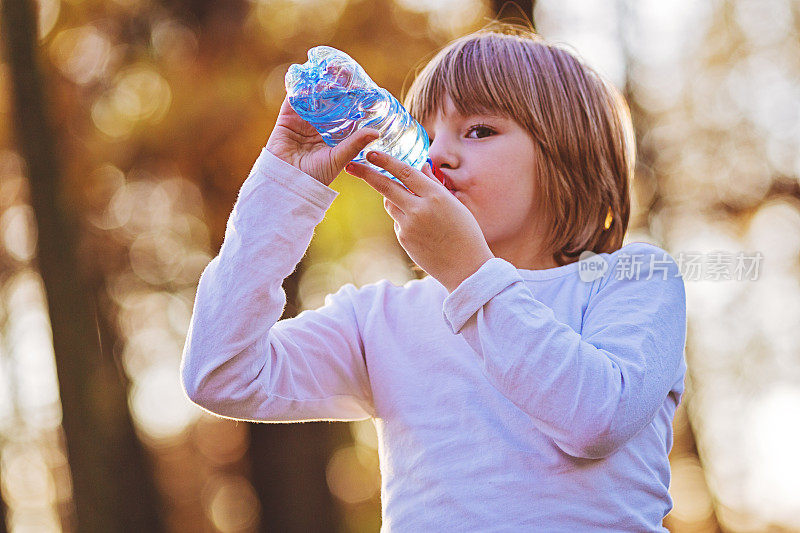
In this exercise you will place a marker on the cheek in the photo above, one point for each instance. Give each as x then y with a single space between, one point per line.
497 206
508 195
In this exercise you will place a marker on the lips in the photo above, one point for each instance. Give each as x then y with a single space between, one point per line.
442 177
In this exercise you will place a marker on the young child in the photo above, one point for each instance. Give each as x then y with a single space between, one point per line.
515 388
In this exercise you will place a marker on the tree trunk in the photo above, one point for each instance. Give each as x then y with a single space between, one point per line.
112 488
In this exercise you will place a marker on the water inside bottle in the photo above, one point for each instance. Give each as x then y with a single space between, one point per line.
323 110
403 139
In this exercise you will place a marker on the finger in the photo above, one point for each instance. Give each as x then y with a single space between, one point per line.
405 173
428 171
286 107
387 187
392 209
345 151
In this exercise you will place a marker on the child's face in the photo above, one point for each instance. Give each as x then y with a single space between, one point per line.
489 162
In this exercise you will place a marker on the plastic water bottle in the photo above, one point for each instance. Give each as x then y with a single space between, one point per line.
335 95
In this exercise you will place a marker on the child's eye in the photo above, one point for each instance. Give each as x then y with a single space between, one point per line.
480 130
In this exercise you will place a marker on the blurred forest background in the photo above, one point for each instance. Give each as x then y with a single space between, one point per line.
126 130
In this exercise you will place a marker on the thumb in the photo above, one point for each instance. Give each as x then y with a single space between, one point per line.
346 150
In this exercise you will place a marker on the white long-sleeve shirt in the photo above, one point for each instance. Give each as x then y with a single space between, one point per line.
524 400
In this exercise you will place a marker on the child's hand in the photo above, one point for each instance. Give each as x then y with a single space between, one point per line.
297 142
437 231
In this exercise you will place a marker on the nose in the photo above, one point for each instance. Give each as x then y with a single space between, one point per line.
443 156
442 153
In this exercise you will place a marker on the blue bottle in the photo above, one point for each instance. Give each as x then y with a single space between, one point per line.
335 95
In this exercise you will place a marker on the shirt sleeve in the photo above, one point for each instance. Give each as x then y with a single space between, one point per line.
239 361
591 391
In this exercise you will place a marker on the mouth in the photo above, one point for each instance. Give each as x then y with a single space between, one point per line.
442 177
449 184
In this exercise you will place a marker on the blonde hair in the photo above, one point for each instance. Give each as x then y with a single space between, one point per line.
579 121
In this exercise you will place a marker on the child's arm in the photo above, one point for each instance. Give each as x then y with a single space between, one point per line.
237 361
591 392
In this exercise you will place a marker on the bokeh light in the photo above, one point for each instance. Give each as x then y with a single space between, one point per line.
83 54
138 95
233 506
159 404
353 476
47 16
283 22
